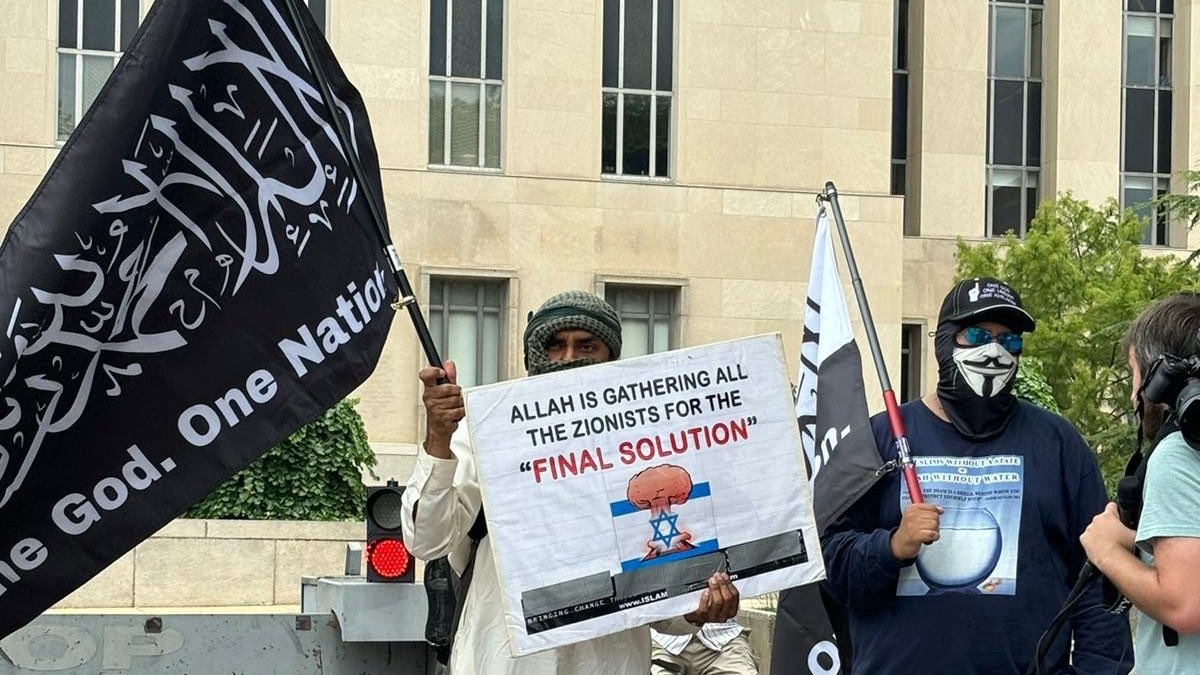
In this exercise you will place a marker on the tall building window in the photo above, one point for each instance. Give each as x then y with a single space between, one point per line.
466 55
911 369
1146 113
900 97
91 36
1014 148
649 316
464 321
636 87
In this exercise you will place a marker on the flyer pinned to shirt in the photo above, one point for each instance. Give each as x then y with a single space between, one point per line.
614 491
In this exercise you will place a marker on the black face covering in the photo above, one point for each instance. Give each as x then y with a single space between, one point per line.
974 384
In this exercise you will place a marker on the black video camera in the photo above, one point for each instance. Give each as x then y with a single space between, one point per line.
1175 381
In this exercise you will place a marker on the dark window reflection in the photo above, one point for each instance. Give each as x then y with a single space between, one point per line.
68 23
612 37
1162 218
662 142
666 41
1035 43
1008 116
129 20
637 44
464 36
1164 62
1164 132
1033 126
636 139
899 115
437 37
99 25
608 147
1139 130
1006 210
495 39
898 177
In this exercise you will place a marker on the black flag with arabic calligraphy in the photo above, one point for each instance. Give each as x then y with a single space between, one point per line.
195 278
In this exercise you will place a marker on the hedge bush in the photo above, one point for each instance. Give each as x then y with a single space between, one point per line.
314 474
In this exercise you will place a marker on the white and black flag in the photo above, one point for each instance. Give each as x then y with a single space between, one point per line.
195 278
831 404
839 447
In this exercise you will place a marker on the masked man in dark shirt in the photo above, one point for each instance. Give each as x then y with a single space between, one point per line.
967 581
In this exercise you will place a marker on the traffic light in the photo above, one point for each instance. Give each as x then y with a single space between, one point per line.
388 558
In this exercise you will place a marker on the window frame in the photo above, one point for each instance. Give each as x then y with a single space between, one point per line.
507 282
483 83
678 289
900 74
1031 174
118 34
912 359
615 293
78 54
1158 228
620 91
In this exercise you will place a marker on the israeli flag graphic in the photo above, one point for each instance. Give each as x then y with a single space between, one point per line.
662 516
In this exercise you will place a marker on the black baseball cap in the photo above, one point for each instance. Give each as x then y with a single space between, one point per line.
986 299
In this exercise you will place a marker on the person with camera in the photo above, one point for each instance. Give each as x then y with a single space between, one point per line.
962 583
1154 559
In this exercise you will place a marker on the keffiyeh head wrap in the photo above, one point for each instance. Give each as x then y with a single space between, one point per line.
569 310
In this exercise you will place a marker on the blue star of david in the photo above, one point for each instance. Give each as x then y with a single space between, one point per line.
657 523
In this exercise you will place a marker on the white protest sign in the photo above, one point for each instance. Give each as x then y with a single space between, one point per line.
614 491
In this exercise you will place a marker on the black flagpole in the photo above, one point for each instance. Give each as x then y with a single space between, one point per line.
903 454
438 578
406 298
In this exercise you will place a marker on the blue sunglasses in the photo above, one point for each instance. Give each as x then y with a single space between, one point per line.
974 336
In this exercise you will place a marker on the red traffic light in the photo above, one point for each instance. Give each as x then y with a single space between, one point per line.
388 558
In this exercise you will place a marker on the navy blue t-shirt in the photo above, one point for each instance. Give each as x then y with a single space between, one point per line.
977 600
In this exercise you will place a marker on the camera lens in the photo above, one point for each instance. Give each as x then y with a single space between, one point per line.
1187 411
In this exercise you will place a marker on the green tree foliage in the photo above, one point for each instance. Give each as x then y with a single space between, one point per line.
1083 276
1032 384
314 474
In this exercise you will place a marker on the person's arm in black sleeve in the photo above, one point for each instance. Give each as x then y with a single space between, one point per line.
859 564
867 546
863 557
